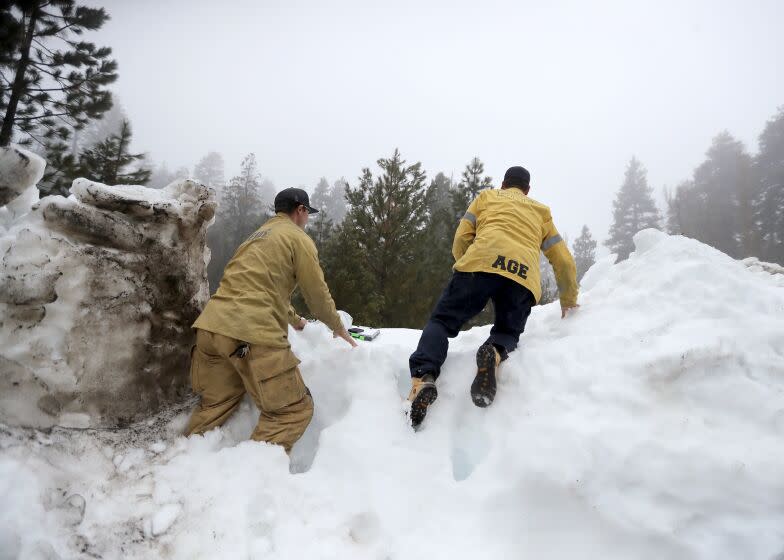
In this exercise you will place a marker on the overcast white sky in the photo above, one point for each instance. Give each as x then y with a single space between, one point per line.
570 90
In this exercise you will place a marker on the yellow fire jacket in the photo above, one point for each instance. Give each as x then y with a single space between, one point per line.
502 233
253 300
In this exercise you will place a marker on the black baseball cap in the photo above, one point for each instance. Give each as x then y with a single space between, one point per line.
288 199
517 177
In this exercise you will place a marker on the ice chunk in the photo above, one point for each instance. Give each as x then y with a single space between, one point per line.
646 239
346 319
73 509
164 518
19 170
158 447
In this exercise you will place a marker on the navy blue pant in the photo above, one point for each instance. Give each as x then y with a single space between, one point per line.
465 297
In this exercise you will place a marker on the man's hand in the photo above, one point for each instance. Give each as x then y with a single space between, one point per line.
564 309
301 325
343 333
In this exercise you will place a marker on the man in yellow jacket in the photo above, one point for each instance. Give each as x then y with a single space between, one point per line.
496 250
242 335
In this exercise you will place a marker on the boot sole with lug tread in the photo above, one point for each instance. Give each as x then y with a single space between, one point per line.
484 387
424 398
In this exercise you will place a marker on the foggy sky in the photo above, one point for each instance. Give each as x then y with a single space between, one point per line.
570 90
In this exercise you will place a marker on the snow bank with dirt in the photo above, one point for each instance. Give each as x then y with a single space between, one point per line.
648 424
97 295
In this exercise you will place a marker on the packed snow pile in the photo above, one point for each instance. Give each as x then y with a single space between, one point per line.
97 295
757 265
20 170
648 424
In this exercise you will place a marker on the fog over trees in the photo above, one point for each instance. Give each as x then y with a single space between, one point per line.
384 230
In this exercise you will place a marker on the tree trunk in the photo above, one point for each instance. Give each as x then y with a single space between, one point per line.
6 133
121 146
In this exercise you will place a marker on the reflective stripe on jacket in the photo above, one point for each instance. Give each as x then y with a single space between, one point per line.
503 232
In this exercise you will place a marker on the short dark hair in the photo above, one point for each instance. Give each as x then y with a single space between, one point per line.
517 177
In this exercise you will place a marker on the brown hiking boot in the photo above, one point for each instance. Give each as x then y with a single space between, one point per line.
484 386
423 393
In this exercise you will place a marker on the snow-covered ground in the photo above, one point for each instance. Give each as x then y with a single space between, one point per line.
648 424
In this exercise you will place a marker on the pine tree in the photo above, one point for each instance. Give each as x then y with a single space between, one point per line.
633 210
470 187
679 208
351 283
110 162
337 200
241 204
441 222
47 91
439 194
547 282
473 182
321 195
768 202
383 228
62 167
240 212
584 252
267 192
320 229
98 130
434 252
11 28
721 183
330 199
717 205
210 170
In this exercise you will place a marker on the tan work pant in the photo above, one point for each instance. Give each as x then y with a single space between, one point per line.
270 375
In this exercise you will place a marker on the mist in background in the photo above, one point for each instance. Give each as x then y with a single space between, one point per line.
395 116
571 91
